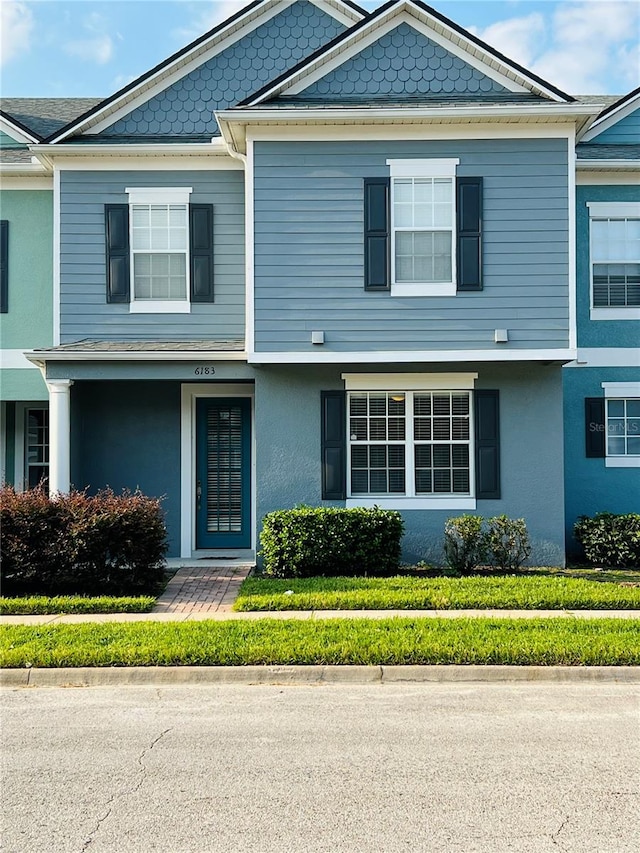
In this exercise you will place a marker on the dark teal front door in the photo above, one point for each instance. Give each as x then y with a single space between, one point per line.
223 473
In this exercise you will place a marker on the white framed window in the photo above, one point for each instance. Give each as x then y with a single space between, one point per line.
159 240
423 227
615 260
410 445
622 419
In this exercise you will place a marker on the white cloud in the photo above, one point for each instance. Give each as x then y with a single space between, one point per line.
517 38
98 46
16 26
575 45
214 12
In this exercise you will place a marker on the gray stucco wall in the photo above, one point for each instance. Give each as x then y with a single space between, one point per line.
84 309
309 252
127 435
288 450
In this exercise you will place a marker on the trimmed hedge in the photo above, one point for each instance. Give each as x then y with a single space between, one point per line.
80 544
308 541
610 540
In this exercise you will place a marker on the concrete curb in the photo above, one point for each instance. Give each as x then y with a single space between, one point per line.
141 676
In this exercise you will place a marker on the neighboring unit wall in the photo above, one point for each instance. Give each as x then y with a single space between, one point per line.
309 255
84 309
626 131
599 333
288 427
29 320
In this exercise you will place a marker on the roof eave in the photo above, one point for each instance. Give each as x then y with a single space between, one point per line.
41 357
608 165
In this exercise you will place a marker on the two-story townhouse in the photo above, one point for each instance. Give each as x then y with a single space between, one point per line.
319 257
602 386
26 282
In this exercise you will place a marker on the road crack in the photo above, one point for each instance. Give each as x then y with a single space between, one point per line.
554 835
142 771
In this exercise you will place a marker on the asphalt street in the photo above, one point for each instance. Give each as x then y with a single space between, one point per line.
353 768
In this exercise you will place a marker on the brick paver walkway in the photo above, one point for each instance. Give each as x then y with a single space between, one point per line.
202 589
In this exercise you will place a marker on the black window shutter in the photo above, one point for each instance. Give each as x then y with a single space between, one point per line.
594 427
469 237
487 418
333 444
4 266
377 274
201 251
116 218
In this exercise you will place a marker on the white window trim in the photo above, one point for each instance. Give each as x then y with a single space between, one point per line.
159 195
418 168
408 383
614 391
604 210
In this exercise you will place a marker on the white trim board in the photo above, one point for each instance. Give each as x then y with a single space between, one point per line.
189 393
606 357
572 273
249 249
409 381
56 256
26 182
411 356
603 178
133 355
193 58
621 389
400 503
602 123
18 133
629 313
14 359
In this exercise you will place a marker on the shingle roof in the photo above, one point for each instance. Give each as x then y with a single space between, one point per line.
43 116
147 346
396 101
586 151
15 155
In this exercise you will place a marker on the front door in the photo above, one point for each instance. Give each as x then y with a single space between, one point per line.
223 473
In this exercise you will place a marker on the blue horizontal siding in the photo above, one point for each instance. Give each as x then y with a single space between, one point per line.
309 265
84 309
624 132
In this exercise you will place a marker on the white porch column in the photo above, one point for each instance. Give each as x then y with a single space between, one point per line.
59 435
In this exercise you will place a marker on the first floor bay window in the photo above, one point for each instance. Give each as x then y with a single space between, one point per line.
410 443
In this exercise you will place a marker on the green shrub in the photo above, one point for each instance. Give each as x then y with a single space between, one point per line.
309 541
464 543
609 539
79 543
507 542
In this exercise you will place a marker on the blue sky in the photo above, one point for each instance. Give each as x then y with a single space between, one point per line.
90 48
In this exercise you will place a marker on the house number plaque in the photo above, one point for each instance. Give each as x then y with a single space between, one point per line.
204 370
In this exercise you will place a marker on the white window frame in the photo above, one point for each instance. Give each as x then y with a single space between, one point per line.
610 210
408 384
436 168
618 391
159 195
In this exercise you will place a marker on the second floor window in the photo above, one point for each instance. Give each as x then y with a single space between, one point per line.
615 259
159 248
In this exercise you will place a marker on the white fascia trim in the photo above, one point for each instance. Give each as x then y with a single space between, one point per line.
216 146
342 13
151 306
613 208
249 249
614 313
26 182
603 178
189 393
15 132
166 355
421 130
155 195
148 163
14 359
621 389
607 357
605 122
411 356
572 272
409 381
401 503
56 256
26 169
420 167
622 462
595 165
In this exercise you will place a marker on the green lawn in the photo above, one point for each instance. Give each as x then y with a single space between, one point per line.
522 592
44 604
546 642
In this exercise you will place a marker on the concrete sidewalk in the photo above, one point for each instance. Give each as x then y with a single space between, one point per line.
193 615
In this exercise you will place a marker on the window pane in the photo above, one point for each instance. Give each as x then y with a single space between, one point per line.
443 190
402 190
615 446
441 480
633 408
633 446
423 191
615 408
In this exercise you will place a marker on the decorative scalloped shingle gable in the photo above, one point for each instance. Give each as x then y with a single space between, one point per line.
402 62
186 107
